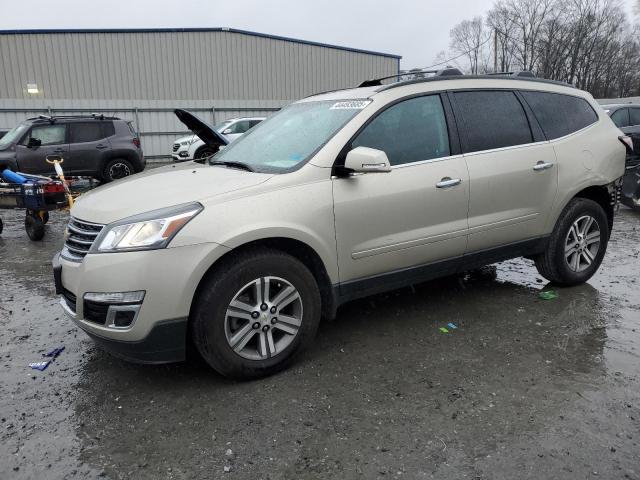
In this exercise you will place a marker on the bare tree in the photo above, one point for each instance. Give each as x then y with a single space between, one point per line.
467 39
585 42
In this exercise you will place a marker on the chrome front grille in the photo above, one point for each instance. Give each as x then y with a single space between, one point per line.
176 146
80 236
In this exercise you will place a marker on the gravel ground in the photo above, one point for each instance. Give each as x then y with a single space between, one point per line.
523 388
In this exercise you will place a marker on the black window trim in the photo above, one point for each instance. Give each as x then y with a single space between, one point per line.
597 114
452 131
530 120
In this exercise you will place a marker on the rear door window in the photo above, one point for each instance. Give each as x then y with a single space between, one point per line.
621 117
492 119
634 116
560 114
86 132
409 131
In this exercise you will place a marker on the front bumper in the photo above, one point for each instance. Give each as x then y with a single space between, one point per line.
182 154
169 278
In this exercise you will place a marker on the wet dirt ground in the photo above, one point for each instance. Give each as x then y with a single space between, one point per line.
523 388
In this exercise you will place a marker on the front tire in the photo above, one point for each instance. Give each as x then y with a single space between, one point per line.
255 313
205 152
577 244
34 227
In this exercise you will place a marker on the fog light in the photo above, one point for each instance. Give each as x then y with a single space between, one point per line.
123 319
117 310
184 154
115 297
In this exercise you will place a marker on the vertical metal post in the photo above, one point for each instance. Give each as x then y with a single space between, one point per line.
135 112
213 115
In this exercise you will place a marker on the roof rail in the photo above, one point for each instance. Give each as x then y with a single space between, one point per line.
516 73
94 116
445 72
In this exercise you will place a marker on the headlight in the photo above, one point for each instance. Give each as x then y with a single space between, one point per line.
148 231
190 142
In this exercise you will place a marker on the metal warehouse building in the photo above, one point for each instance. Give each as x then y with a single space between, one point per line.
143 74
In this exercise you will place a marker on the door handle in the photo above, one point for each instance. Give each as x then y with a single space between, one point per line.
448 182
101 146
542 166
58 150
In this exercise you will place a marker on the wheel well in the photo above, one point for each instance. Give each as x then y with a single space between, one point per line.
301 251
202 147
600 195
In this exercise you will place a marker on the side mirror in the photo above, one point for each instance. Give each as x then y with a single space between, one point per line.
367 160
34 143
227 131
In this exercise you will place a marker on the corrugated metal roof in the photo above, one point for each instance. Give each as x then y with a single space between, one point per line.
178 30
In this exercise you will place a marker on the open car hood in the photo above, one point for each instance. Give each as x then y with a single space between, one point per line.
205 132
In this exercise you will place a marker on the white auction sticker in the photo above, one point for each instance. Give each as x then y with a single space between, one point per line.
350 105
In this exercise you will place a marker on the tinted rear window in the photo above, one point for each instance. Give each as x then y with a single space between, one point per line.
634 114
90 131
492 119
559 114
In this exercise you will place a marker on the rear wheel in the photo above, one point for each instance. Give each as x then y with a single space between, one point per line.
116 169
255 314
34 227
577 245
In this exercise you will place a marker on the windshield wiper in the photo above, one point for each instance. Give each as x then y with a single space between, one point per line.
240 165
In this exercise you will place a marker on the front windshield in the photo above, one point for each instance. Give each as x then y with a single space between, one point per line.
13 135
221 126
292 136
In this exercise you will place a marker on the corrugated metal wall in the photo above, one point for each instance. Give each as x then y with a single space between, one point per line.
204 65
229 72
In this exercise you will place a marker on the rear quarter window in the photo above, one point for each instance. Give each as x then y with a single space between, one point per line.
560 114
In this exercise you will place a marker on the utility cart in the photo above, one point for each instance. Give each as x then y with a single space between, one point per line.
37 196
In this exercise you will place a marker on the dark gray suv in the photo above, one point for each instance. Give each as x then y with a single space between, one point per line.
106 148
626 116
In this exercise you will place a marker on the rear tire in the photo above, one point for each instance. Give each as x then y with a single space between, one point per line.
34 227
116 169
577 244
251 341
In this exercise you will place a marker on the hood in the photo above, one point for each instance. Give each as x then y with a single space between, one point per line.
161 187
206 132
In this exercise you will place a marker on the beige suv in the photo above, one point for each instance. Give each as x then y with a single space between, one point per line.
339 196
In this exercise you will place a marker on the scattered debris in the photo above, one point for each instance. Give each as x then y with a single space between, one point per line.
55 352
40 365
452 326
443 330
548 295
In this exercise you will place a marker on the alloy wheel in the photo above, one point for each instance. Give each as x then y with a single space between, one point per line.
582 243
263 318
119 170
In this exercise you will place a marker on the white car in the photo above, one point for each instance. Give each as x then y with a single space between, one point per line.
192 147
